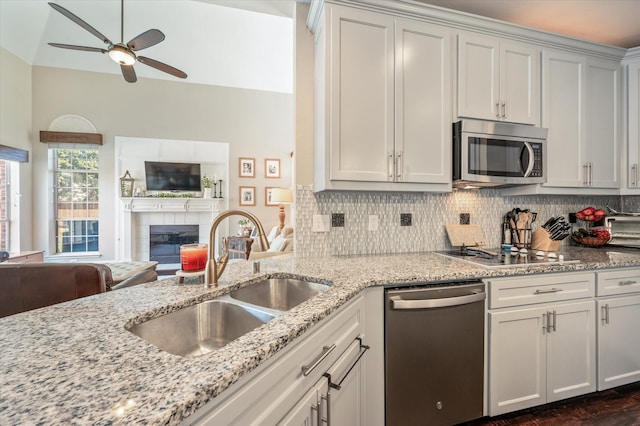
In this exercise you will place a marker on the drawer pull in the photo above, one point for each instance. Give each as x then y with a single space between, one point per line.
628 282
326 350
553 290
605 314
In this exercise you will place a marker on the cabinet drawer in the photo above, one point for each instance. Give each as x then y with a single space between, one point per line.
531 289
615 282
268 393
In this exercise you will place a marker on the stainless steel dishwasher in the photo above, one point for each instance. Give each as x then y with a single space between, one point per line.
434 354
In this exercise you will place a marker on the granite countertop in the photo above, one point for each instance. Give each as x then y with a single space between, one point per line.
75 363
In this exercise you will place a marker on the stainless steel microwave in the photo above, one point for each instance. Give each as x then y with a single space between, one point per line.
487 153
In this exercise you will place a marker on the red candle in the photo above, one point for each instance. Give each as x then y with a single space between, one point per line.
193 257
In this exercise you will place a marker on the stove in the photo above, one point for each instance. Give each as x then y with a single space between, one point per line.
503 259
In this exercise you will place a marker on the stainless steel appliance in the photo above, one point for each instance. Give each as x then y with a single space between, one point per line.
487 153
624 230
434 354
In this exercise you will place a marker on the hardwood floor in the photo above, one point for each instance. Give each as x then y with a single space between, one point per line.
613 407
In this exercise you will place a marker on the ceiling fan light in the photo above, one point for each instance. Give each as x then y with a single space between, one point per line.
122 56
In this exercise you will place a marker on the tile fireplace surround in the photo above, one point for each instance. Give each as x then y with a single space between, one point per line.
137 214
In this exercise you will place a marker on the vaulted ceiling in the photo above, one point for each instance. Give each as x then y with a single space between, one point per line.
249 43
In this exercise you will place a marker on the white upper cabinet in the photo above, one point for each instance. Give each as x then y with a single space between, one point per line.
633 124
383 103
602 142
498 80
563 113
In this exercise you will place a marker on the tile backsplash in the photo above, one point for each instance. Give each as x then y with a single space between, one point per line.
429 215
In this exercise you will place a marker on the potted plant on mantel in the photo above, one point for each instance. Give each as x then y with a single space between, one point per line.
245 227
207 184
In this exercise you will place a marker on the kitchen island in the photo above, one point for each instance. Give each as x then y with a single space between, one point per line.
76 363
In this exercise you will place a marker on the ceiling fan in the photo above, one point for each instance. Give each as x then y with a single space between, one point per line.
123 54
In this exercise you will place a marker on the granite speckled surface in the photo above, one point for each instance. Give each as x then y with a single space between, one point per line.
75 363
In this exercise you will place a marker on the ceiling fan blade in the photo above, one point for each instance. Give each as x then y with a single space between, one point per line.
74 47
129 73
80 22
162 67
146 39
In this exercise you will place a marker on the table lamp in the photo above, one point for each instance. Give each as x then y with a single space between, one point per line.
282 196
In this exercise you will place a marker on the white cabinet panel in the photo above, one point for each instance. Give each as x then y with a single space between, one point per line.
362 78
423 103
602 143
498 80
563 113
633 123
618 342
571 351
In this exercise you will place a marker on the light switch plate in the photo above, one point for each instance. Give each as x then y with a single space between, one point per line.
373 223
321 223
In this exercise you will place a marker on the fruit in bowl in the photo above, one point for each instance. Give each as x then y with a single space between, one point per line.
593 237
591 214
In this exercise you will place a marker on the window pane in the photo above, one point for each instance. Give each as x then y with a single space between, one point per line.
77 199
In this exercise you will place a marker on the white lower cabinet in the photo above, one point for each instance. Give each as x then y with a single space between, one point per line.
320 374
540 352
618 324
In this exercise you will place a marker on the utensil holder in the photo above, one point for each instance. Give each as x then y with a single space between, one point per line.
541 241
521 238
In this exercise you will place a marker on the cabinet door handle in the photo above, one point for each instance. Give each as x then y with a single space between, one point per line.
314 407
585 178
627 282
338 386
390 166
545 322
326 420
552 290
399 166
590 173
605 313
326 350
634 175
554 321
497 109
504 109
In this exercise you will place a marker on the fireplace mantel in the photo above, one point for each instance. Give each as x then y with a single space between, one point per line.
170 204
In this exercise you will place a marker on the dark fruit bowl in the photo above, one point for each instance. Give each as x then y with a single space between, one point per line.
591 241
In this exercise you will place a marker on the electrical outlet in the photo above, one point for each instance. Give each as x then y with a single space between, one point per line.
373 223
337 220
320 223
405 219
465 218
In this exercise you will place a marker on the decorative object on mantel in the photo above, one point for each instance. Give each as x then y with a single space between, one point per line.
282 196
245 227
271 168
247 196
126 185
219 183
207 184
247 167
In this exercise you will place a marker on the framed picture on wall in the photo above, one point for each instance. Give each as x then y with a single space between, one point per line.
267 197
247 196
247 167
271 168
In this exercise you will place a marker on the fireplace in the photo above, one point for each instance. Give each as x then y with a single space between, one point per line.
165 241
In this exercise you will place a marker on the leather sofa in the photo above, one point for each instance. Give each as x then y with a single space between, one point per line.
27 286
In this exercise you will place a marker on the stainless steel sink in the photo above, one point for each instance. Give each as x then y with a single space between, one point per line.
201 328
280 294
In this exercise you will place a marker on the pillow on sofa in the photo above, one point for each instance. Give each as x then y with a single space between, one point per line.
279 243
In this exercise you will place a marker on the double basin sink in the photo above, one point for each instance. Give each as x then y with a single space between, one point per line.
210 325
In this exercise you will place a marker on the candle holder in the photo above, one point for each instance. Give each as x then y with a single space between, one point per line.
220 182
215 194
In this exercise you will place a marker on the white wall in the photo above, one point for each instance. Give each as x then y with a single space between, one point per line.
254 123
15 131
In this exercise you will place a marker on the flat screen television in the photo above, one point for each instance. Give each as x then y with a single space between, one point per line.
161 176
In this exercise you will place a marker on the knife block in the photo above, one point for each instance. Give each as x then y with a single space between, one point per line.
540 240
